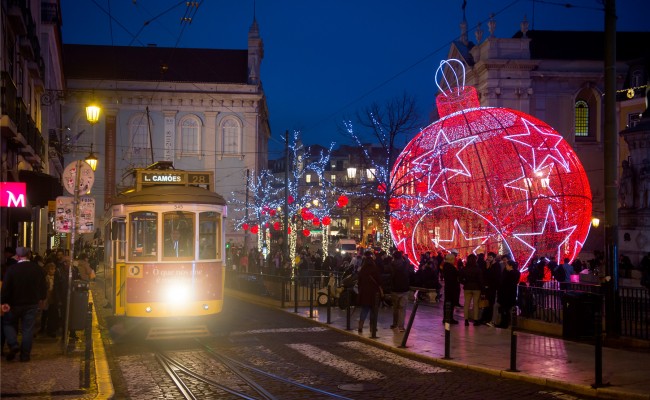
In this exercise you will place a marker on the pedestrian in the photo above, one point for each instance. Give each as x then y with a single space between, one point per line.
50 316
452 285
23 289
472 279
507 293
399 283
369 293
61 277
85 270
491 281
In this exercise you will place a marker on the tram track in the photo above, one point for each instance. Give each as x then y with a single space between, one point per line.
236 379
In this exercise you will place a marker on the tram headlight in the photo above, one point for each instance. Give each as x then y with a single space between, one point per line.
147 309
178 294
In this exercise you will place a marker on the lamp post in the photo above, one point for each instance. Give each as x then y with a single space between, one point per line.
92 115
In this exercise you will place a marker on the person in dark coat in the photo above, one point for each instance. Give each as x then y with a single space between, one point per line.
472 279
452 284
507 294
491 282
23 290
369 290
399 278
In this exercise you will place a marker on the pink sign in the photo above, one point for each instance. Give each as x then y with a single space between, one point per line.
12 194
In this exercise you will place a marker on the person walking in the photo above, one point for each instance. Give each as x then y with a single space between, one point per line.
23 290
491 281
507 294
399 283
452 285
472 279
369 293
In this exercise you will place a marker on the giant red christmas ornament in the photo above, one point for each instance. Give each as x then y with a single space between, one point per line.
496 179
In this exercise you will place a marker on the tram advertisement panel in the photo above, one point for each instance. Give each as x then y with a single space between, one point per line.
153 282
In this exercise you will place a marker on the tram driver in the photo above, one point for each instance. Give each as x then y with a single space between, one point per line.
176 245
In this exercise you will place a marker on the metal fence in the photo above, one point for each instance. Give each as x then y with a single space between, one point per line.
547 304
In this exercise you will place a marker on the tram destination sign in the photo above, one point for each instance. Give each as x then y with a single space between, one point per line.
151 178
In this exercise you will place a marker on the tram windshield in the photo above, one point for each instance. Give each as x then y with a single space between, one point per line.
143 235
209 226
178 234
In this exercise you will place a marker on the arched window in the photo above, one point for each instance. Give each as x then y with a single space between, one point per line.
139 136
190 131
231 136
581 118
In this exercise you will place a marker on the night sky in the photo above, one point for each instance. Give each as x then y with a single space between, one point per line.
324 61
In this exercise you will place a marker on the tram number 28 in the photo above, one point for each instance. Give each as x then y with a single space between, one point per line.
198 178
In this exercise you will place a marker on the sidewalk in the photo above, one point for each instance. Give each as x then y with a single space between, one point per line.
51 374
552 362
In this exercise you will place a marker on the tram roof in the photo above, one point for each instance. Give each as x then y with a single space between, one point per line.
161 194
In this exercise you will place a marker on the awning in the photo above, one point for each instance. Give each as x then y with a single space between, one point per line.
41 187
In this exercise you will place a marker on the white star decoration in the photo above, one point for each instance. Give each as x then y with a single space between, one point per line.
433 162
535 184
543 144
543 232
465 237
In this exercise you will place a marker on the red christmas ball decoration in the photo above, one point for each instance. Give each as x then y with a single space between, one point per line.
489 179
306 232
244 226
288 230
327 220
266 225
342 201
290 199
272 212
315 221
276 226
254 229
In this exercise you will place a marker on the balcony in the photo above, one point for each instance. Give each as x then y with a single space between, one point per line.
8 95
55 150
18 14
29 138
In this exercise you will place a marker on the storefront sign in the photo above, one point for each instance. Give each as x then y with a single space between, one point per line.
12 194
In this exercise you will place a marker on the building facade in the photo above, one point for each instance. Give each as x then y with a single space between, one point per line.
202 109
30 60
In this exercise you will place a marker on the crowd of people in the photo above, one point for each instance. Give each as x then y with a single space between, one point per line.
34 295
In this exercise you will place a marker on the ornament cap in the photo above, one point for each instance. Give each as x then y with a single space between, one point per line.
456 100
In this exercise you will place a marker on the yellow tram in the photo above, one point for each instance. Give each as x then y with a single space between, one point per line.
167 245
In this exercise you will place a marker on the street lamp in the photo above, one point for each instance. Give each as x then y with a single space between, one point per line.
595 222
92 159
92 113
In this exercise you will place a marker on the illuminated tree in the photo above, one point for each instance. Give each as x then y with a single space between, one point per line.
390 126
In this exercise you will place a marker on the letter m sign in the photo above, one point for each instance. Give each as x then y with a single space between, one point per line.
12 194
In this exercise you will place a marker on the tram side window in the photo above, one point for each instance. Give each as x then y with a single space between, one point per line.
179 234
209 235
143 235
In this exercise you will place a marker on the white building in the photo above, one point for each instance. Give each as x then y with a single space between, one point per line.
203 109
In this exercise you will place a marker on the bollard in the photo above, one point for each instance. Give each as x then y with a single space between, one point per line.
447 317
295 294
311 298
513 340
329 304
598 333
348 316
411 319
88 328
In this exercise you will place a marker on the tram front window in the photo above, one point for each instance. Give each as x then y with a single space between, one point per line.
179 234
209 232
143 235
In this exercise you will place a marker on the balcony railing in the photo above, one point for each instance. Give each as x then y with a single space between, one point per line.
8 97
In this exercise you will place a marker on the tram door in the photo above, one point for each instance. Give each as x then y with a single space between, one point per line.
118 257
